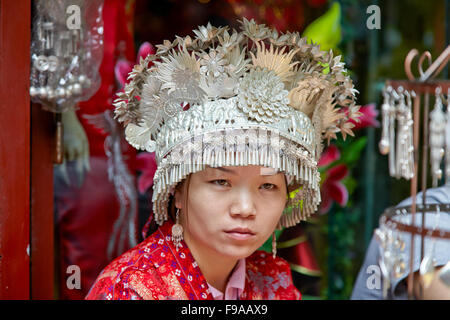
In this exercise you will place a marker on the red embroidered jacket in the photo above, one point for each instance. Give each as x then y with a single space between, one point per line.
154 270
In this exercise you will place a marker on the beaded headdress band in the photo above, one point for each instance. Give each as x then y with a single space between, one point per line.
249 97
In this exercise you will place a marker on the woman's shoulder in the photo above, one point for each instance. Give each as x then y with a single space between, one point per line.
117 278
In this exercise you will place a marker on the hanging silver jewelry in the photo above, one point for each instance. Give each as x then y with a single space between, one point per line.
447 141
437 138
65 61
397 116
405 148
177 231
392 150
385 109
409 144
400 162
274 245
48 29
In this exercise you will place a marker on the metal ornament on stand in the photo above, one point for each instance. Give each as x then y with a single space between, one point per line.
396 137
395 228
437 138
64 58
447 140
405 149
384 144
401 109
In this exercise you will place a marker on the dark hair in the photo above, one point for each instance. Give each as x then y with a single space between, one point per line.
185 183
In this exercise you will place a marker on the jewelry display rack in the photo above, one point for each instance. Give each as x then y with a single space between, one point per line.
419 90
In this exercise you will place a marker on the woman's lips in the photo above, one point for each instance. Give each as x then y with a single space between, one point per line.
240 233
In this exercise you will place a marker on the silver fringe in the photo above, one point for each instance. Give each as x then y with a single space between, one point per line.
299 165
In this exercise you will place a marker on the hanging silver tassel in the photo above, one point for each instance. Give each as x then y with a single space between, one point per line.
447 140
177 232
208 156
184 169
437 138
261 157
166 179
271 163
220 156
309 176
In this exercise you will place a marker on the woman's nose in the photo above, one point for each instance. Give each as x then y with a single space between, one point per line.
243 205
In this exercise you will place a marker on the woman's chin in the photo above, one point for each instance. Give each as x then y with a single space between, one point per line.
238 252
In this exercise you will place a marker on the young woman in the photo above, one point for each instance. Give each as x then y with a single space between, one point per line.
227 213
236 123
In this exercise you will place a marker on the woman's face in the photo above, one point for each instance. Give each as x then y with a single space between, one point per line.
232 210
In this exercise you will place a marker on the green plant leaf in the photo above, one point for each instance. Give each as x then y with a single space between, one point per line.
352 153
326 30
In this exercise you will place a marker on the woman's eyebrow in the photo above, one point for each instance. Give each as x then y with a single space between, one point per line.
224 170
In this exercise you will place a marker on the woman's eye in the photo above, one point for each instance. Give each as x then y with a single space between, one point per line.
269 186
224 183
220 182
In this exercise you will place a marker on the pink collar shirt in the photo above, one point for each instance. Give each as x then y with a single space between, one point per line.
235 285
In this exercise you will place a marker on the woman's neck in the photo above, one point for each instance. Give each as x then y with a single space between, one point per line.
215 267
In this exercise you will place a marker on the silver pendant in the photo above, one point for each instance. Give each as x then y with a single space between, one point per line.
437 138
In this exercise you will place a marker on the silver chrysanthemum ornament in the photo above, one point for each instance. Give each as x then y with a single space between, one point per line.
262 96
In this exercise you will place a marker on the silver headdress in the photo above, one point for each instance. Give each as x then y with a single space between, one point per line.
253 97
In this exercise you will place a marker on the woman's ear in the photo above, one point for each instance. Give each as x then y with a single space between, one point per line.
179 196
